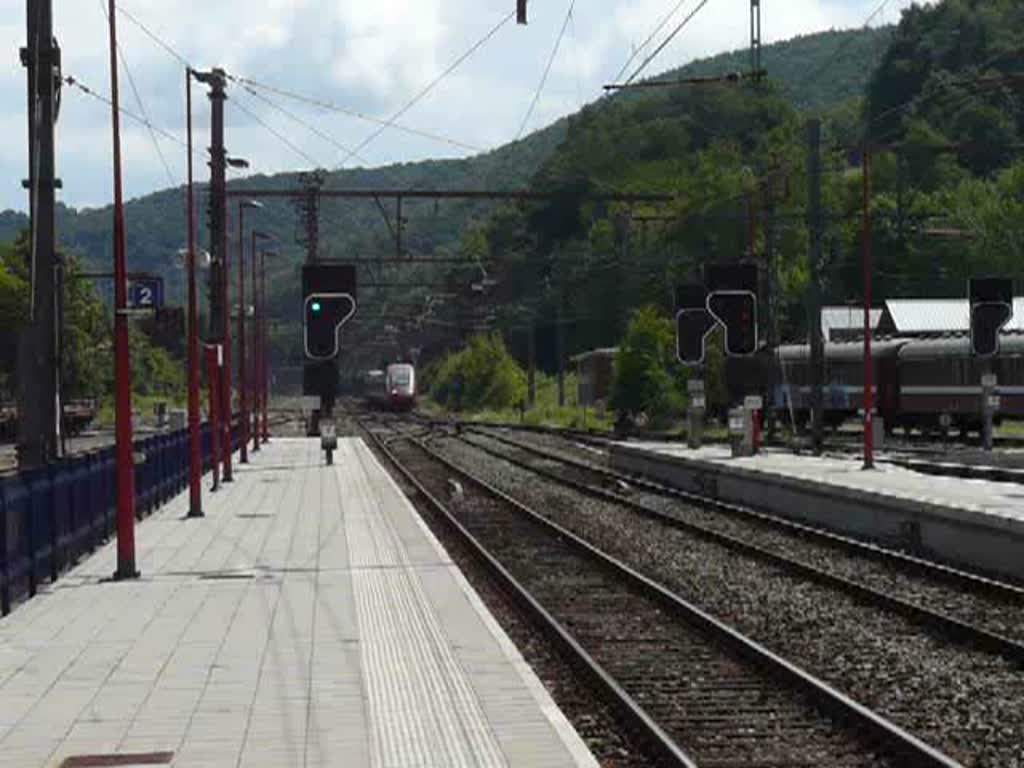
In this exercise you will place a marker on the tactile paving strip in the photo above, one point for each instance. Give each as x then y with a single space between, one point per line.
423 711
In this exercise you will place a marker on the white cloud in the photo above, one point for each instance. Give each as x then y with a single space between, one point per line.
371 57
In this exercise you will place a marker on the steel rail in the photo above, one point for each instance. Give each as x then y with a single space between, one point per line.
821 693
964 633
629 711
939 571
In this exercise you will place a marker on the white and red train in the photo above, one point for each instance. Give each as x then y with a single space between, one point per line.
393 389
916 381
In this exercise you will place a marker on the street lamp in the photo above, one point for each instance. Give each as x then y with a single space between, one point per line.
232 162
264 325
243 390
195 474
257 344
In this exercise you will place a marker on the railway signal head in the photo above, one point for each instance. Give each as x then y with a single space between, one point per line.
329 301
991 301
324 316
987 320
737 311
520 11
692 329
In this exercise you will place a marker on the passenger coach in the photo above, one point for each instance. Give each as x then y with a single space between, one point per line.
916 382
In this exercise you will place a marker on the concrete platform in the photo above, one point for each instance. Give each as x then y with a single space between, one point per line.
311 619
975 522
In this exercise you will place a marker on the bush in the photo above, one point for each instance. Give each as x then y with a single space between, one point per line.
482 375
647 378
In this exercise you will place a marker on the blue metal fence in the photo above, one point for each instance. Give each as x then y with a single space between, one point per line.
51 517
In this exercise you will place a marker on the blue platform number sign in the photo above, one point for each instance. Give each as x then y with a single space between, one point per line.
145 293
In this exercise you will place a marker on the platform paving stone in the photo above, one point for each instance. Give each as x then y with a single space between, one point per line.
310 619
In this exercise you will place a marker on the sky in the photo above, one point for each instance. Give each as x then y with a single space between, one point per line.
370 58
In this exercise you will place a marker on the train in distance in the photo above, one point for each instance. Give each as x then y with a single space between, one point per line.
393 389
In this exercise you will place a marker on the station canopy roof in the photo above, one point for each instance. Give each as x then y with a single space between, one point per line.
916 317
845 321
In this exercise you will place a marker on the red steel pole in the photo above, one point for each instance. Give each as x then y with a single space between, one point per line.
122 363
213 356
195 474
225 374
243 389
265 343
869 398
257 388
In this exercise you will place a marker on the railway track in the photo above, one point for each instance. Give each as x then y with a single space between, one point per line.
701 692
921 446
974 610
965 699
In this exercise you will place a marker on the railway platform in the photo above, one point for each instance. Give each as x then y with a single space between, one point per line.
970 521
310 619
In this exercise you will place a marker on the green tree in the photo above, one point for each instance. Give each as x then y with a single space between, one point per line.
14 308
481 375
86 346
647 379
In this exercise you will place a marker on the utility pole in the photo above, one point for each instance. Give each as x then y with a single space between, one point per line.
815 227
257 347
307 206
243 373
38 373
869 395
755 40
243 393
195 474
265 346
218 226
771 321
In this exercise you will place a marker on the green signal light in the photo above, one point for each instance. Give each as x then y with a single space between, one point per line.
316 306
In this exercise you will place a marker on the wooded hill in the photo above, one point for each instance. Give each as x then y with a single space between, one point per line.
640 159
943 110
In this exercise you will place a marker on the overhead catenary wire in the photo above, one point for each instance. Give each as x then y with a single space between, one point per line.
332 107
275 133
142 107
576 60
778 171
153 36
74 82
309 100
295 118
647 41
547 71
664 43
430 86
837 55
786 168
981 84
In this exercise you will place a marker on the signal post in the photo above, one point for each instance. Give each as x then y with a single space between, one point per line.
728 299
329 301
991 306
